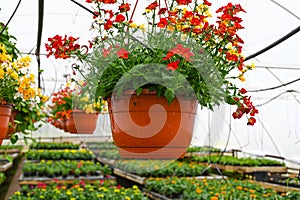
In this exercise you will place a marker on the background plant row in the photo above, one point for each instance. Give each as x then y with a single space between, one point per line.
60 154
214 189
64 168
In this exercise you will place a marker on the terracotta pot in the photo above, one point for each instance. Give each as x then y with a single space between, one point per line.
147 127
64 125
5 112
12 125
85 123
71 125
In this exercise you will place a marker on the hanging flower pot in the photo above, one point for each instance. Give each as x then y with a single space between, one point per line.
5 112
71 125
12 125
85 123
64 125
147 127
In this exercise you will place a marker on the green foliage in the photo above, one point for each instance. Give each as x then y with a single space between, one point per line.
229 189
230 160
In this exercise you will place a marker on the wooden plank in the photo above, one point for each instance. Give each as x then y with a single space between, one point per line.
129 176
5 166
247 169
109 162
276 187
9 151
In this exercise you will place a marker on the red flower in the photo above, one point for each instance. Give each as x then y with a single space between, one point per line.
183 2
168 56
251 121
238 114
206 3
184 52
173 65
162 23
122 53
107 1
162 11
152 6
120 18
243 91
108 25
124 7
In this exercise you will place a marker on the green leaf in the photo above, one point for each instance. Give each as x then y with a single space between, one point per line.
139 91
14 138
9 157
25 140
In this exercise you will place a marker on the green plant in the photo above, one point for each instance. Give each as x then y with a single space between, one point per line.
80 191
179 52
203 149
190 189
60 154
161 168
18 87
54 145
56 168
230 160
2 177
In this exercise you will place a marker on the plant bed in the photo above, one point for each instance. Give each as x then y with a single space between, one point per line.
64 168
60 154
64 180
101 145
139 170
110 154
241 165
190 189
55 145
278 187
79 190
161 168
10 149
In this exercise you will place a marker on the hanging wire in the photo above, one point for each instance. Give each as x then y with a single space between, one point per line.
287 36
275 87
10 17
270 100
284 8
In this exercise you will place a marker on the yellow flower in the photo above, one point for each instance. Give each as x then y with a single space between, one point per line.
239 187
100 195
89 108
133 25
17 193
127 198
68 192
242 78
142 27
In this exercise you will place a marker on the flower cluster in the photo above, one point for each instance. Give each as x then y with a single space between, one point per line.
103 189
71 98
179 51
61 104
214 189
65 47
18 88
